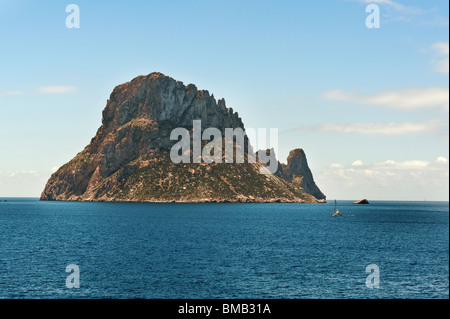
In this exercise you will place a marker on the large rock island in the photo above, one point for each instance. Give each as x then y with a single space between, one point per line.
128 159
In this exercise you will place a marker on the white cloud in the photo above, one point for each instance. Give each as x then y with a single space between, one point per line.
432 98
55 89
432 126
411 99
390 3
441 56
441 48
11 93
414 179
357 163
409 165
442 160
49 89
339 95
395 11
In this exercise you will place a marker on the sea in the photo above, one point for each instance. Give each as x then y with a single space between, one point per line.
86 250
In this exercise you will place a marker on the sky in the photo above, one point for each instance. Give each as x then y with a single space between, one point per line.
370 106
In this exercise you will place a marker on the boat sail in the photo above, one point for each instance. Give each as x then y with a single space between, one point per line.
336 210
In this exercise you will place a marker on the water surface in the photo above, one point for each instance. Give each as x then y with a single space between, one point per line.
145 250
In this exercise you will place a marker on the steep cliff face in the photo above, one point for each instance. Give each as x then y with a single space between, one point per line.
298 173
128 159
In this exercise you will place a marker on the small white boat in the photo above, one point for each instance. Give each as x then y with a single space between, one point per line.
336 210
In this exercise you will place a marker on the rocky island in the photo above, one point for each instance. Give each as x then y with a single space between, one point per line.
129 157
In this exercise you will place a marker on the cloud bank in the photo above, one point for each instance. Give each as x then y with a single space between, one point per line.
439 127
382 180
415 99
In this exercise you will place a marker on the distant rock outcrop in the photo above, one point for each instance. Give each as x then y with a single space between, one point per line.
128 159
362 202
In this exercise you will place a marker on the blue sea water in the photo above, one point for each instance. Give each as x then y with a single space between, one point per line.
295 251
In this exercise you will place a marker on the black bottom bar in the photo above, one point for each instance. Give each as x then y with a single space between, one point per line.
230 308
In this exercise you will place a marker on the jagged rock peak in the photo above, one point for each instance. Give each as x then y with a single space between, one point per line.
159 98
297 171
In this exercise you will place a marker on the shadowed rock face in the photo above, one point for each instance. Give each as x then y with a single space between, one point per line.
128 159
298 173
